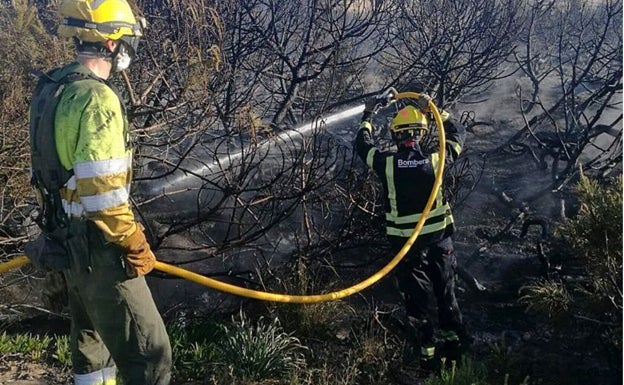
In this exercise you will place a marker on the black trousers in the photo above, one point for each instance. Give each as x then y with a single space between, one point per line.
426 279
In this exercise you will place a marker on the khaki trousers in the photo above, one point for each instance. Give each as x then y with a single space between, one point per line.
114 319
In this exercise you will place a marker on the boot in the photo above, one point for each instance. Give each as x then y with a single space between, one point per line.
450 347
428 360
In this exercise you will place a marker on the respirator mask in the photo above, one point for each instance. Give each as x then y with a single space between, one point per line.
125 53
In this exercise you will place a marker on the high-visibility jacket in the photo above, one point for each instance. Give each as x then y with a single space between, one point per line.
92 138
407 177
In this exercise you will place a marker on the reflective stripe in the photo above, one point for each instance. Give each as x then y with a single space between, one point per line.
435 159
71 183
105 376
406 233
427 351
110 376
391 188
104 201
413 218
70 200
366 125
370 156
73 209
456 146
102 167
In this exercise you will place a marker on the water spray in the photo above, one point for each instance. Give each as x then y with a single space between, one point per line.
191 170
384 100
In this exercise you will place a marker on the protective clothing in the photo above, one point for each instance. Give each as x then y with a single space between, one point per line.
114 318
426 273
104 376
407 177
93 140
140 258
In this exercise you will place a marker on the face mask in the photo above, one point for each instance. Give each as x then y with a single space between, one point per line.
122 59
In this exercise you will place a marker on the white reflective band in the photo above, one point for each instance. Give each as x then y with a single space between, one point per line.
102 167
110 376
71 183
366 125
93 378
104 201
73 209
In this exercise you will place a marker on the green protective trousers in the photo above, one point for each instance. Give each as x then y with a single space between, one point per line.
114 320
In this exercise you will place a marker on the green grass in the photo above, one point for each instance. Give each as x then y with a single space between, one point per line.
259 350
32 346
193 342
62 352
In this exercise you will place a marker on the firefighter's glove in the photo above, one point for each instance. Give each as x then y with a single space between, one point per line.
371 105
370 108
423 101
139 259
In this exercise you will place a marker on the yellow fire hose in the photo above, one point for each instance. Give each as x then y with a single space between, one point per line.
274 297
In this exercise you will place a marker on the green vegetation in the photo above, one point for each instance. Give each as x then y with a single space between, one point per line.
585 299
194 346
32 346
62 352
258 350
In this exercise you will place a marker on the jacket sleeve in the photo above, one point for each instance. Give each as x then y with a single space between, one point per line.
366 149
101 159
455 135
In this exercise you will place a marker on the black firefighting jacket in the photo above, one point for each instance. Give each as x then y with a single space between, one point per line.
407 177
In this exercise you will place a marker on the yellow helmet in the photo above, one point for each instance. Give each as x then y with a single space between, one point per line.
409 121
96 21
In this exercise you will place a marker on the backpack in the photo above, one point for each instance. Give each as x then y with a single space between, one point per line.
48 174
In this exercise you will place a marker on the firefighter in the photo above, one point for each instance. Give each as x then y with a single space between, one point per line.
82 184
428 269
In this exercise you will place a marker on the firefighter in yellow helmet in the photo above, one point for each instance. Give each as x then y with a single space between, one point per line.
82 170
407 176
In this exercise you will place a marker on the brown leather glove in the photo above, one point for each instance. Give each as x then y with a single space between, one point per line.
140 259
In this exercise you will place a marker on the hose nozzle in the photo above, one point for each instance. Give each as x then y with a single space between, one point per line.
386 99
